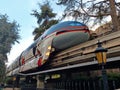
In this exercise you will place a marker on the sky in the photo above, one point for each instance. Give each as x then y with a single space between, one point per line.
20 10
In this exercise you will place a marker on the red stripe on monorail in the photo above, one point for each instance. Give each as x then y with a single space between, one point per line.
65 31
61 32
73 27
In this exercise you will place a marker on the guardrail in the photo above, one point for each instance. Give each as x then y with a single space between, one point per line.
82 54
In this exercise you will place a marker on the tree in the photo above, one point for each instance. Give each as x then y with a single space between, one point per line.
44 19
45 12
114 14
9 34
89 10
38 31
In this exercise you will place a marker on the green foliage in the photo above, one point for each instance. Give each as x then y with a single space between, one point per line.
44 19
39 30
9 80
113 76
9 34
45 10
2 71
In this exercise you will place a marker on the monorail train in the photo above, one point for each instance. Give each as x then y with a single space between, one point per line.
58 37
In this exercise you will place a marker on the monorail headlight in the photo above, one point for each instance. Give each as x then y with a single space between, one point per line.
47 53
49 47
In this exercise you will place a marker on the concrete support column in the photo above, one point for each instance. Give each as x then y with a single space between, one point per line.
17 81
40 82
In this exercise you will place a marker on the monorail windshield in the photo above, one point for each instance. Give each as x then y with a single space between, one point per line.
32 45
60 26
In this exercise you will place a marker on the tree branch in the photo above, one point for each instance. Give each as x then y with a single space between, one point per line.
91 15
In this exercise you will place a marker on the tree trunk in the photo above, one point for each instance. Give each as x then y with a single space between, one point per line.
114 17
